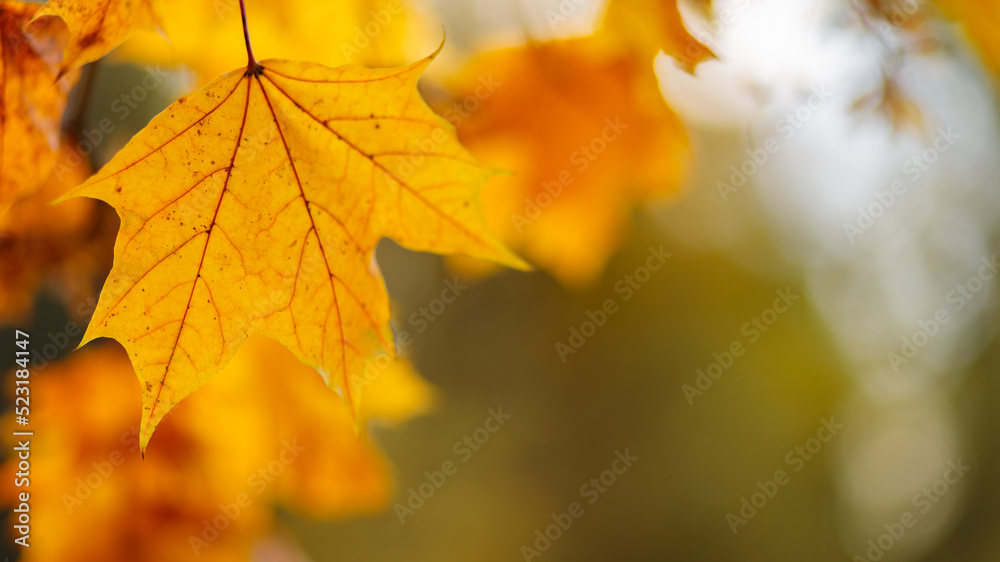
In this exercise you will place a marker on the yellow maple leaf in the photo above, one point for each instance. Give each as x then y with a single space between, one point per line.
98 26
31 100
584 130
255 205
652 25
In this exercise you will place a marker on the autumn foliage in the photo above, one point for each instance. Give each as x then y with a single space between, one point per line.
241 282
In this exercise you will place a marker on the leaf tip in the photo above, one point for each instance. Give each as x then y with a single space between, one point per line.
61 199
516 262
430 58
145 433
444 37
500 254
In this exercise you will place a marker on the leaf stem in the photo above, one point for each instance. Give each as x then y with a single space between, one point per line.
251 61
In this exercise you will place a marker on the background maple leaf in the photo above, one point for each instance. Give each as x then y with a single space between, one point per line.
586 136
97 27
32 100
65 247
212 449
650 26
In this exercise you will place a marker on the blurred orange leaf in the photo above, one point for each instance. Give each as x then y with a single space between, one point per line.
60 244
654 25
583 128
97 27
263 433
31 100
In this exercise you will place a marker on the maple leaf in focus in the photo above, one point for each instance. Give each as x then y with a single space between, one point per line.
654 25
98 26
255 205
209 452
63 245
368 32
583 128
31 100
